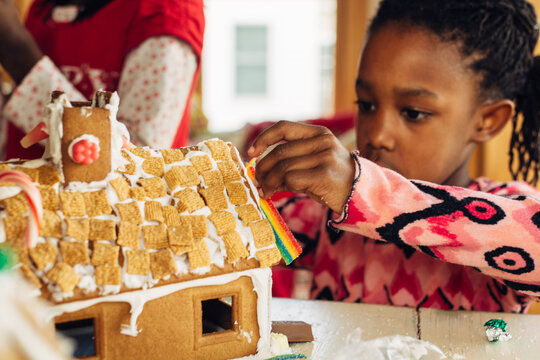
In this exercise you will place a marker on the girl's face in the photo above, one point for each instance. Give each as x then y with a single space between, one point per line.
416 105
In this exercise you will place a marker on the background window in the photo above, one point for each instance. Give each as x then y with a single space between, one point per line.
270 60
251 66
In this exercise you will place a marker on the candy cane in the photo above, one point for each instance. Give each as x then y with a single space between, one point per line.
34 201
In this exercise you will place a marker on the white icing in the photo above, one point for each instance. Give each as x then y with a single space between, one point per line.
118 132
262 283
279 344
53 126
88 137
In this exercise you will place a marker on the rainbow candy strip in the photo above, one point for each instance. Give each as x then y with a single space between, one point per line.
285 241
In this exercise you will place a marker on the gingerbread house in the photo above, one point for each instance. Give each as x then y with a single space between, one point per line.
145 253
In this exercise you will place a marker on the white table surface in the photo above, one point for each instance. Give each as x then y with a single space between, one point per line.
459 334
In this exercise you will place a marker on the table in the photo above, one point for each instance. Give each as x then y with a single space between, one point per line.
459 334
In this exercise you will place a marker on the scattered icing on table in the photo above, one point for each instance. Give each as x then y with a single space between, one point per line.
397 347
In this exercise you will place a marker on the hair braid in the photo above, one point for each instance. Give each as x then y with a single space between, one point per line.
499 36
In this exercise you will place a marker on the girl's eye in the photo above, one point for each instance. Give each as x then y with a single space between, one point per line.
414 115
365 106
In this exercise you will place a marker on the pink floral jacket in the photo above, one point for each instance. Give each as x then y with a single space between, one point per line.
418 244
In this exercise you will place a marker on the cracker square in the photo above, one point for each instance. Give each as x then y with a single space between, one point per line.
219 149
16 205
237 193
78 228
105 254
138 193
181 236
97 203
223 221
172 155
171 216
153 166
154 187
32 173
129 235
182 176
229 171
102 230
121 186
108 275
213 178
188 200
155 236
234 246
4 167
201 163
64 275
128 168
199 256
152 211
43 254
49 197
72 204
140 152
74 253
130 212
248 213
162 264
48 175
30 276
262 233
214 198
51 225
14 226
198 225
268 257
138 262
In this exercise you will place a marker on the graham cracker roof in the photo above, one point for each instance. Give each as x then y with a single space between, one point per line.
167 216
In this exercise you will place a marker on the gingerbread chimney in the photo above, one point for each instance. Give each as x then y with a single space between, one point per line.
81 134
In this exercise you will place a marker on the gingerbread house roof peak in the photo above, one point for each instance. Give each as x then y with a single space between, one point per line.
162 216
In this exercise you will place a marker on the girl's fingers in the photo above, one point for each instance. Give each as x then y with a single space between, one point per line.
283 131
274 180
292 149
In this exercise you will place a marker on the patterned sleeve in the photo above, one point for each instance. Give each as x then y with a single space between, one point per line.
304 217
497 235
25 106
154 87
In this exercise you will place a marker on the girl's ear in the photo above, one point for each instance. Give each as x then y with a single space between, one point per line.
492 119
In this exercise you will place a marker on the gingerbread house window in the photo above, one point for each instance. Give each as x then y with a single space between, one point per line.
82 332
218 315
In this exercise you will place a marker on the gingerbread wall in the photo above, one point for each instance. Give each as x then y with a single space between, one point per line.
171 326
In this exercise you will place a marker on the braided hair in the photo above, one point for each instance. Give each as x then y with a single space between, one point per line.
499 36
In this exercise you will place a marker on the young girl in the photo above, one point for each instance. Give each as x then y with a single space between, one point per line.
435 79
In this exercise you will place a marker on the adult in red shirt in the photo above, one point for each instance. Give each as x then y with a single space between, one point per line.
147 50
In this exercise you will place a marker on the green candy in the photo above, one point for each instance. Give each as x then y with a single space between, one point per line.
497 323
7 258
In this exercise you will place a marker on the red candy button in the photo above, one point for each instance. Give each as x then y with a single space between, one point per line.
85 152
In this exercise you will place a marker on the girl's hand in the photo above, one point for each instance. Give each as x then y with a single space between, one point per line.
308 159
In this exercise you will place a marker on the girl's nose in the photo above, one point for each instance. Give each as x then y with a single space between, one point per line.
381 133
